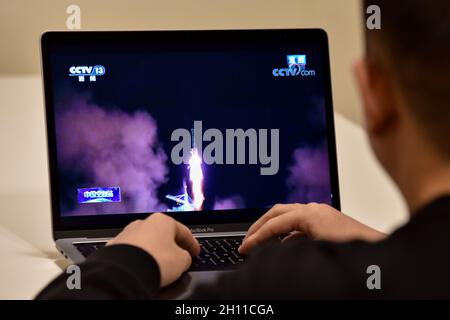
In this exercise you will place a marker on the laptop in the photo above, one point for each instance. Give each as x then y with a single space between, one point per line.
210 127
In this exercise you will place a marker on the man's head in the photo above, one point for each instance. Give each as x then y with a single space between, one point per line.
404 80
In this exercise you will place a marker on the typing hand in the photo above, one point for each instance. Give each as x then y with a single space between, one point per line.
317 221
169 242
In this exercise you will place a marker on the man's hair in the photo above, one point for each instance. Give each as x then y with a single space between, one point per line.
414 44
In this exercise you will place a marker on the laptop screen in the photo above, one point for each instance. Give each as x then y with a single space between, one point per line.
210 127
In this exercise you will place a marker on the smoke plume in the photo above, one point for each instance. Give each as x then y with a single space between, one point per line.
112 148
309 177
233 202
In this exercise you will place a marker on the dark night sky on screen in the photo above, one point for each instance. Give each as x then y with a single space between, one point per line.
167 89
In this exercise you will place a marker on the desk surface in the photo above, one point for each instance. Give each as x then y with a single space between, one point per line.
29 259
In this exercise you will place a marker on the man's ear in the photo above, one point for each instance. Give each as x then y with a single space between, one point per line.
377 96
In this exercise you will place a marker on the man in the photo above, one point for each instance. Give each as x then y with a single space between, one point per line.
404 81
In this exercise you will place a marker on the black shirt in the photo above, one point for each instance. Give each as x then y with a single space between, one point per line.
414 263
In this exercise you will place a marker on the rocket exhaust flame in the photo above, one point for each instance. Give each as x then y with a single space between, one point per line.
196 178
184 201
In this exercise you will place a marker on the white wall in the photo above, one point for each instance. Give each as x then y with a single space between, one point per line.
23 21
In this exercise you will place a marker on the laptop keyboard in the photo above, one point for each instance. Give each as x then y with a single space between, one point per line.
215 254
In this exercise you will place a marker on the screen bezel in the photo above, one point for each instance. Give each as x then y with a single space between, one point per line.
118 221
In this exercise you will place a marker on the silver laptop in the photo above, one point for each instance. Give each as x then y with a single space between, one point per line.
209 127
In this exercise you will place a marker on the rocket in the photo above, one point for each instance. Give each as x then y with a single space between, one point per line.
196 175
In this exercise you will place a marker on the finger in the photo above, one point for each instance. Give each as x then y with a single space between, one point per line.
293 235
280 225
179 261
275 211
133 225
129 227
185 239
185 259
182 234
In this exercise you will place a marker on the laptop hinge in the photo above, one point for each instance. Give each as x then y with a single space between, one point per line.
220 234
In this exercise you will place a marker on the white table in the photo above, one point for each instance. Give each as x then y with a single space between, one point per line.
28 259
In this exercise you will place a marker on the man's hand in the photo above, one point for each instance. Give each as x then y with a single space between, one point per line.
317 221
169 242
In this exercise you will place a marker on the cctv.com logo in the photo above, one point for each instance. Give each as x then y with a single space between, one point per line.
86 71
296 67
